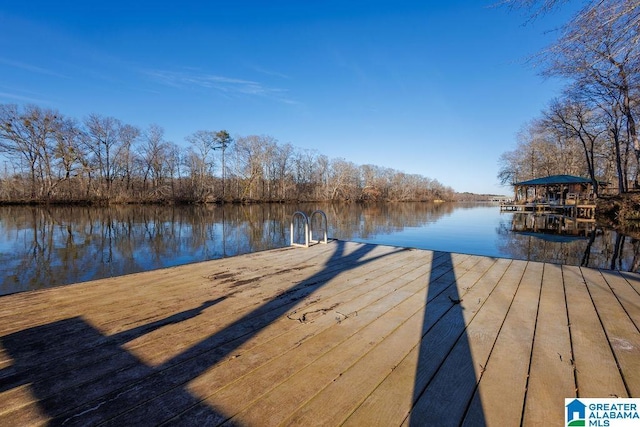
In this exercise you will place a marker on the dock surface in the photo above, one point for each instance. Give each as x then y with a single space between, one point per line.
338 334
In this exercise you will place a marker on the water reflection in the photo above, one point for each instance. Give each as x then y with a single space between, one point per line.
553 226
42 247
565 240
47 246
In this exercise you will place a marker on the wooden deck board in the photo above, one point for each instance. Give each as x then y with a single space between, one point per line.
629 298
393 398
596 370
622 334
277 361
356 382
509 358
179 321
337 334
631 279
446 397
133 373
551 371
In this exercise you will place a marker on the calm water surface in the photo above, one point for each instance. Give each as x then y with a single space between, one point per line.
42 247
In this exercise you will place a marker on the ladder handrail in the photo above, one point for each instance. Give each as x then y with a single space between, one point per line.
323 215
308 228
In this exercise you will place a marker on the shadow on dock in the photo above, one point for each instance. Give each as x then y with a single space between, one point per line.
79 376
445 379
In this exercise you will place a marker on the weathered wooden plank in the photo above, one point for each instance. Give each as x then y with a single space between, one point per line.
271 375
551 376
79 290
60 339
202 416
353 335
228 340
394 331
390 402
633 279
509 359
447 395
136 362
100 316
166 286
260 262
183 374
628 296
622 335
318 285
55 338
596 371
356 384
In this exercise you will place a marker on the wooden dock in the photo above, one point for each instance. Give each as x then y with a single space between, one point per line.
579 211
337 334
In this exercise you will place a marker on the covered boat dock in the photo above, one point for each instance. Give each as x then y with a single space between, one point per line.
568 195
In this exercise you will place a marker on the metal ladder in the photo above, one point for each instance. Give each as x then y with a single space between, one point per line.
308 228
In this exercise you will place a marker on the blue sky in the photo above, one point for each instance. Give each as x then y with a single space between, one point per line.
438 89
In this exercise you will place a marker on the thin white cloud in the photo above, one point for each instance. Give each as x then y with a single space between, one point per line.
16 97
29 67
271 73
226 85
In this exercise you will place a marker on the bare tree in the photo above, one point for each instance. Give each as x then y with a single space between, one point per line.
600 51
31 135
627 10
369 175
249 165
307 174
545 147
174 159
536 7
275 159
343 180
281 161
576 120
105 159
102 139
200 162
154 153
127 158
223 140
613 119
69 154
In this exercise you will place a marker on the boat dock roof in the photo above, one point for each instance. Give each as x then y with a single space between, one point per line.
337 334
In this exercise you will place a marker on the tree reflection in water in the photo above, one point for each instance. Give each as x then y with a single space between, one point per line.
45 246
564 240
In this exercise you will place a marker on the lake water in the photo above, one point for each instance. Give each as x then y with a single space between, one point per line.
43 247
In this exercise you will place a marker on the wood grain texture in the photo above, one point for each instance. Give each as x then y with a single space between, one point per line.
551 371
338 334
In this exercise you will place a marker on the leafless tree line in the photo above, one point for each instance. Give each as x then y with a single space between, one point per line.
48 157
592 129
